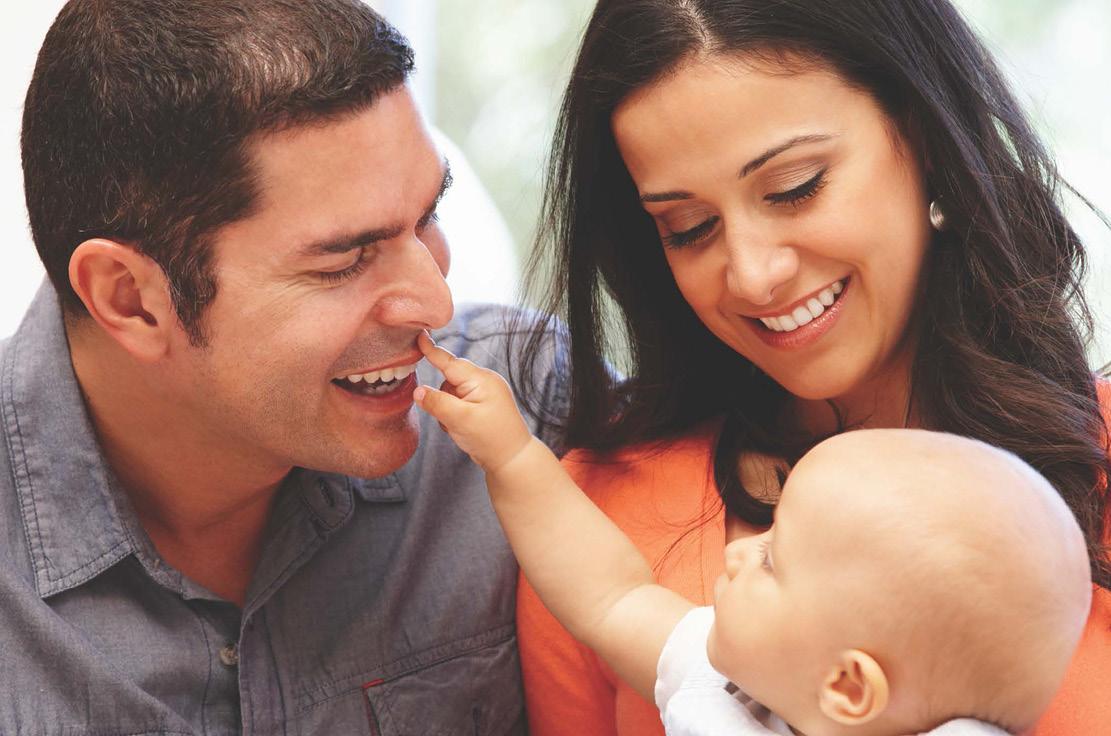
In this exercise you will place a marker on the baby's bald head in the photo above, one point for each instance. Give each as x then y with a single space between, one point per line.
955 564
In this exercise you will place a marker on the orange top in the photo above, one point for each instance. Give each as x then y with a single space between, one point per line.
667 503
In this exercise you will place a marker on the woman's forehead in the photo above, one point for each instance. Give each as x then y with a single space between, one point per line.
710 118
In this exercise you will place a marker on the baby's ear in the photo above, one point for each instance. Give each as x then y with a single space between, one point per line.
855 690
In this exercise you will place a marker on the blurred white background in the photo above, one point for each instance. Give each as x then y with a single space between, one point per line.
490 73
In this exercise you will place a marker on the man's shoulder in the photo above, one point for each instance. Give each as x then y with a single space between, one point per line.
476 328
525 346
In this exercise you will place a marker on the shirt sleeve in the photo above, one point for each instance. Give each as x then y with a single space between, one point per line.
684 654
966 727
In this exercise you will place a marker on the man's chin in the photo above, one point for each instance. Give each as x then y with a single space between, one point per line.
383 452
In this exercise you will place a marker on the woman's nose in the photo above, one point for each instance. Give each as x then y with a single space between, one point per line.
757 266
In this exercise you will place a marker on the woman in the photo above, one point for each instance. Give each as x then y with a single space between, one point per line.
811 216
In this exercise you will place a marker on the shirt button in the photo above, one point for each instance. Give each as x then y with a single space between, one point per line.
229 655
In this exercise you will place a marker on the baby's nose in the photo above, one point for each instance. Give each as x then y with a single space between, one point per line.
734 557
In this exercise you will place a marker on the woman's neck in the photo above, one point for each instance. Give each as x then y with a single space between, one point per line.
887 402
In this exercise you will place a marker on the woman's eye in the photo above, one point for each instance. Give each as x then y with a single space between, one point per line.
356 268
801 193
691 235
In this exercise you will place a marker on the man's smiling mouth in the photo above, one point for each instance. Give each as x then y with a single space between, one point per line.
376 383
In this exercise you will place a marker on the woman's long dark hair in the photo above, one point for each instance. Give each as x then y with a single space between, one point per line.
1002 321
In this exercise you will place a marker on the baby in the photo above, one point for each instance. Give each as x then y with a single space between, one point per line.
912 580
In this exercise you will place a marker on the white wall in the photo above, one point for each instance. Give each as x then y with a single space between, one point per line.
22 28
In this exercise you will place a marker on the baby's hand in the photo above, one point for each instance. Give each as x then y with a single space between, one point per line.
475 406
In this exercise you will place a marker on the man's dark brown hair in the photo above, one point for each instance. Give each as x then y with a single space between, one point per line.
138 116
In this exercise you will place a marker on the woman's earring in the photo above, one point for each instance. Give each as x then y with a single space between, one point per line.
937 215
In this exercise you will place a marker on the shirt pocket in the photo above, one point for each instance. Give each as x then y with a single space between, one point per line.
469 690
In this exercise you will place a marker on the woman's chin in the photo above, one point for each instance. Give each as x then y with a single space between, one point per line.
816 385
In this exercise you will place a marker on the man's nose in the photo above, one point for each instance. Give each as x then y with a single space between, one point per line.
417 294
757 266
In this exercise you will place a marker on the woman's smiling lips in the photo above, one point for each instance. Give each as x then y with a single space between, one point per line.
805 329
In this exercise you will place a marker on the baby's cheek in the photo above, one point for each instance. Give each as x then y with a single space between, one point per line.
713 649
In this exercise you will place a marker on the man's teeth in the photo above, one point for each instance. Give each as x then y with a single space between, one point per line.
806 313
384 377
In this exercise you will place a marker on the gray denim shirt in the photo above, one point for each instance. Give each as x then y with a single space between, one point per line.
381 606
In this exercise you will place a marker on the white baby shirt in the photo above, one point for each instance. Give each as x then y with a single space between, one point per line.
693 699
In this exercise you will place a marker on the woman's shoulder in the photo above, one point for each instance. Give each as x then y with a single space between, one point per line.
1081 705
698 440
644 467
656 492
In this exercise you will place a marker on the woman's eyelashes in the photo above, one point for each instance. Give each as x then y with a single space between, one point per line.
792 197
693 235
801 193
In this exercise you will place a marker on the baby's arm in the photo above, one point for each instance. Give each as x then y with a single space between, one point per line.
587 572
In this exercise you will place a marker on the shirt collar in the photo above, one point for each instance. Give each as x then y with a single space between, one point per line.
77 519
67 494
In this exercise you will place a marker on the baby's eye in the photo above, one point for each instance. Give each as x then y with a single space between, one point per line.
766 555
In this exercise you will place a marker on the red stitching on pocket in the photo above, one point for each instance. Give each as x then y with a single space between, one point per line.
371 716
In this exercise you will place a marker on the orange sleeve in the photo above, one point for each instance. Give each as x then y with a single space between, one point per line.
566 691
1083 704
656 498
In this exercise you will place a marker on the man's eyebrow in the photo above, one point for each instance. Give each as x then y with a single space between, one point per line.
747 169
774 151
347 243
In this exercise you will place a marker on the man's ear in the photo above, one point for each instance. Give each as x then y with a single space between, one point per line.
127 294
855 691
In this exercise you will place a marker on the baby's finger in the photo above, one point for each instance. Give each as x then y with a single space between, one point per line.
439 358
458 371
444 407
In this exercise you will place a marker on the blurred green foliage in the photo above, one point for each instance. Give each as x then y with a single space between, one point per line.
501 68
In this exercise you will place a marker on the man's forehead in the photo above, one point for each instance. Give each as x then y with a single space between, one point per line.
379 160
388 136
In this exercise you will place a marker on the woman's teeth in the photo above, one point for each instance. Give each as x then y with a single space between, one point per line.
377 382
806 313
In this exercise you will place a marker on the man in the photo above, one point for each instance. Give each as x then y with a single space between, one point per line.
235 201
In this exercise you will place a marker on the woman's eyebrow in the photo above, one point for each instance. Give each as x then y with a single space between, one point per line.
747 169
774 151
665 196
